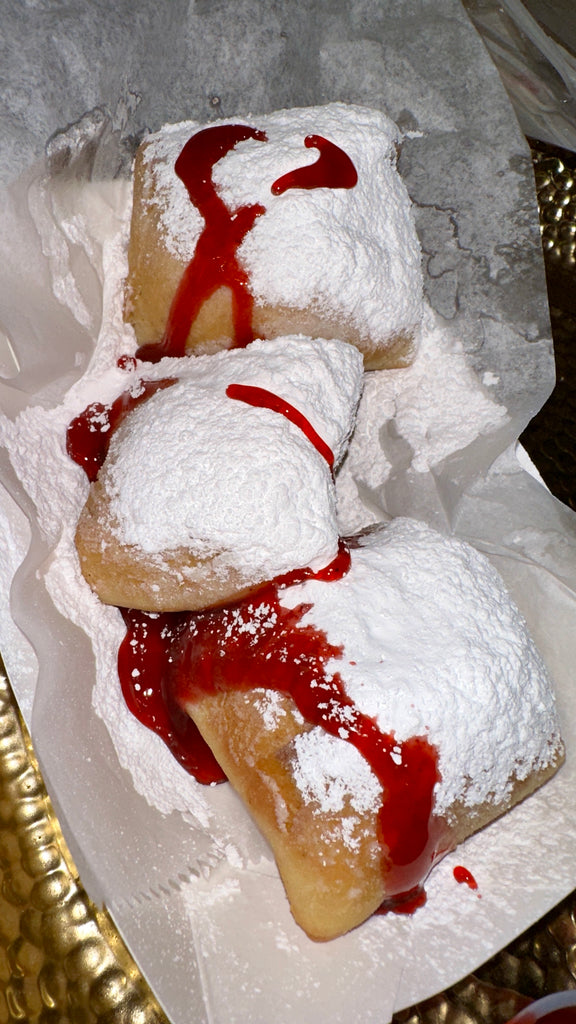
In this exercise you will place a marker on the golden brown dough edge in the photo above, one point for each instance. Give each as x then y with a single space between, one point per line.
124 575
331 886
154 274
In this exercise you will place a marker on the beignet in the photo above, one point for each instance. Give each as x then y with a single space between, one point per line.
291 222
200 498
373 722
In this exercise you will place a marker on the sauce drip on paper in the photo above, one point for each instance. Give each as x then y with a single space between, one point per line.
465 877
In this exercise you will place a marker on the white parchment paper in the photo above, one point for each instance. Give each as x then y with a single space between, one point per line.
207 921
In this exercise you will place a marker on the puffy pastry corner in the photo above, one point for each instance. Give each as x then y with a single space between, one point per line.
332 864
126 576
331 887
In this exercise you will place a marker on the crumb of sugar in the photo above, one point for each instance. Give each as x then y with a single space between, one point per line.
270 707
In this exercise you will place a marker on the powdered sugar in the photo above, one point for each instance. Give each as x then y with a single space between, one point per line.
181 221
432 646
353 252
330 772
270 706
194 468
410 419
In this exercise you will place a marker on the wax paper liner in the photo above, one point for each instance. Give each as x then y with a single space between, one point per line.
539 73
207 920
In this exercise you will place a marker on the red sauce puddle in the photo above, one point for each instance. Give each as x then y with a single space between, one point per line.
149 660
215 262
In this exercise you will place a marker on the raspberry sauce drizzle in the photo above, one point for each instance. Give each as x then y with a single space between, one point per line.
332 169
215 263
146 663
89 434
261 398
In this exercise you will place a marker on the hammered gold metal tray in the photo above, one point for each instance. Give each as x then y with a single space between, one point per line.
61 959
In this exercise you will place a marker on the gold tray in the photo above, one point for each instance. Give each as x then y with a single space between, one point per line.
61 959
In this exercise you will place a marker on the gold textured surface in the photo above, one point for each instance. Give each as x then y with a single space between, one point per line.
60 957
550 439
556 190
61 960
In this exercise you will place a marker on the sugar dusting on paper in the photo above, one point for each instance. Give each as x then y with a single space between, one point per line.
411 419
